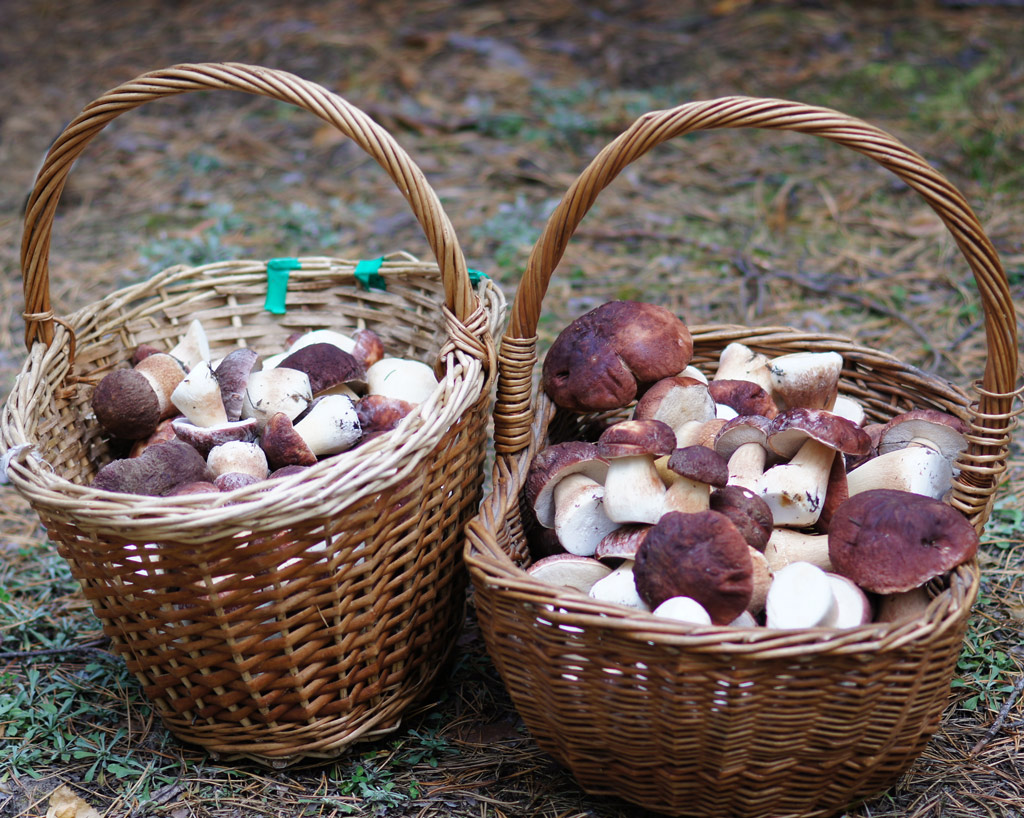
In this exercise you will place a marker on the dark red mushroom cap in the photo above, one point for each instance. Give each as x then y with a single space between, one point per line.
326 365
745 397
607 357
889 541
748 512
284 446
702 556
629 438
232 375
126 405
623 542
701 464
155 472
792 428
550 465
381 413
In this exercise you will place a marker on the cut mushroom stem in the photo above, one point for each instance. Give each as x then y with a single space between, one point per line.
786 546
193 347
800 597
580 521
198 397
807 380
683 609
619 587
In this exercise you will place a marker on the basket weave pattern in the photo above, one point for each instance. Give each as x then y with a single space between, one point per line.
727 721
290 618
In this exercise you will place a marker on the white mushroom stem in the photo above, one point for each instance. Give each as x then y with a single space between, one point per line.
787 546
402 378
746 465
686 495
683 609
762 580
739 362
193 347
331 426
569 570
688 433
852 410
619 587
633 490
270 391
915 469
580 519
198 397
806 379
800 597
852 605
795 491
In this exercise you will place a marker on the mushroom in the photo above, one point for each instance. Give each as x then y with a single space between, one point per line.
743 397
327 366
204 438
743 442
903 605
231 480
367 347
806 380
130 403
193 347
619 588
786 545
683 609
154 472
232 375
402 378
270 391
929 428
580 520
809 438
761 576
551 465
695 469
198 397
914 469
748 512
569 570
329 427
737 361
238 456
607 357
853 608
379 413
800 597
163 432
622 542
683 403
891 541
633 489
315 336
700 555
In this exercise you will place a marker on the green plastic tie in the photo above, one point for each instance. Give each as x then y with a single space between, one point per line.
277 283
476 275
367 274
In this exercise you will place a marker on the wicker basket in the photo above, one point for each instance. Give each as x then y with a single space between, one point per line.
731 721
279 621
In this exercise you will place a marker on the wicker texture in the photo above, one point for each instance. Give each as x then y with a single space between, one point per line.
727 721
289 619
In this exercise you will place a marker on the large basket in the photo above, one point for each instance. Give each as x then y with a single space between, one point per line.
717 721
274 622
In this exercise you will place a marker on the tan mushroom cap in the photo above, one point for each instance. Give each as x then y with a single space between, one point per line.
607 357
553 463
889 541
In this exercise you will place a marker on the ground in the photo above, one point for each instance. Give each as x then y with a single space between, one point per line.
502 105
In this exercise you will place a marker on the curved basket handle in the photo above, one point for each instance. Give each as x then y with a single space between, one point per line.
372 138
512 414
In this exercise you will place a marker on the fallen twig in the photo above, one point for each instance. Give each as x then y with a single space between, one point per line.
86 647
1004 711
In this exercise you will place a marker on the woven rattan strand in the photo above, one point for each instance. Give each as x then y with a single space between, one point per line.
291 618
729 721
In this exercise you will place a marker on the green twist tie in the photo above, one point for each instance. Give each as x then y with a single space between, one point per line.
476 275
367 275
277 283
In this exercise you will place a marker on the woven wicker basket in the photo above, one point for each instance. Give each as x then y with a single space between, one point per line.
731 721
283 622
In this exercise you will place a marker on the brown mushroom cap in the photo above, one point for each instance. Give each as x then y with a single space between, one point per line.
629 438
154 472
608 356
380 413
553 463
232 374
326 365
623 542
283 445
746 397
368 348
946 433
126 405
204 438
741 430
700 464
889 541
702 556
748 512
792 428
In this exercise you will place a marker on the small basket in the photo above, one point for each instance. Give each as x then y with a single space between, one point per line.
717 721
291 618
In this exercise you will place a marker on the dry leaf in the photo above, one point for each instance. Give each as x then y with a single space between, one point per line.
65 804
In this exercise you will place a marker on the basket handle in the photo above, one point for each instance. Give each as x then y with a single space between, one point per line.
285 87
512 413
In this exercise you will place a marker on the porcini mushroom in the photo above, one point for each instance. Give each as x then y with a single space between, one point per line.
193 347
402 378
696 470
929 428
619 588
232 374
569 571
633 489
683 403
891 541
683 609
198 397
270 391
238 456
737 361
806 380
800 596
580 519
607 357
552 464
130 403
915 469
327 366
329 427
154 472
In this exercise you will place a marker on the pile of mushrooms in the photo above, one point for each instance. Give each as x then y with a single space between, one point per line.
758 497
196 424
